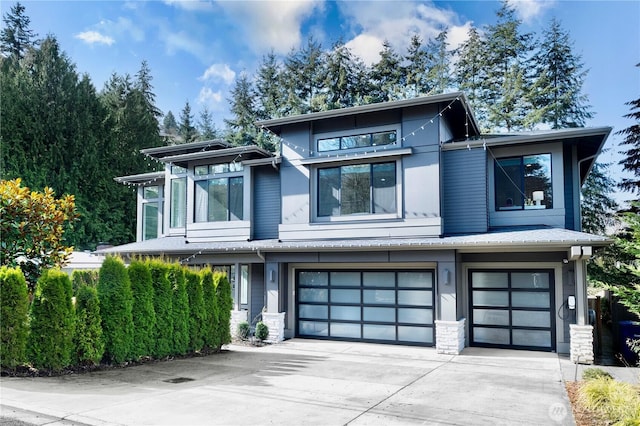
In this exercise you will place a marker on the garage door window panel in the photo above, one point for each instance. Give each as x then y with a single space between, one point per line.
415 334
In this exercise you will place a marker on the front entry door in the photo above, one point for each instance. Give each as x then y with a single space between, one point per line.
512 309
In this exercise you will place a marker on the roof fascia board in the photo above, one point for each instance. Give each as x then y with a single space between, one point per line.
227 152
159 150
143 177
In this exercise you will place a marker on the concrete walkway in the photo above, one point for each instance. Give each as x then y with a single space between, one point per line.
304 382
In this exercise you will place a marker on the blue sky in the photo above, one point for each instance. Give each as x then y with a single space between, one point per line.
195 49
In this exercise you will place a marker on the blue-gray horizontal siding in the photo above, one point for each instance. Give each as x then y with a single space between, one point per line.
266 202
257 290
464 186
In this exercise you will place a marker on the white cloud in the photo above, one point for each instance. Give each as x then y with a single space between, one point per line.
175 41
270 24
191 5
219 72
94 37
123 28
527 10
212 100
366 46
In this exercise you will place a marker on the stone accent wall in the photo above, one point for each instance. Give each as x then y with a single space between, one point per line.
236 318
581 347
450 337
275 322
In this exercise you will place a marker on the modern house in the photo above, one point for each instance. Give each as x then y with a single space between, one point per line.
395 222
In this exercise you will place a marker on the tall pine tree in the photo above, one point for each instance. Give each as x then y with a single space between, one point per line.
631 162
186 129
241 126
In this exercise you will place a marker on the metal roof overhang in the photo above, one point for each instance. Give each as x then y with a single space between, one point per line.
140 178
163 151
240 153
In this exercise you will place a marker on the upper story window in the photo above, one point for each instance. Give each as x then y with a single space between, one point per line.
178 200
151 211
219 193
357 141
357 189
523 183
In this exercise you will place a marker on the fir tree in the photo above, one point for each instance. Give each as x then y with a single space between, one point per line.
269 91
186 129
206 127
597 206
470 73
169 124
16 37
341 79
631 162
241 125
439 64
386 76
415 71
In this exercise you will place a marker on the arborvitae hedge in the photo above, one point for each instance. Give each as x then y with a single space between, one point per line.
144 314
163 306
80 277
14 310
88 341
180 309
50 343
197 310
210 326
224 303
116 301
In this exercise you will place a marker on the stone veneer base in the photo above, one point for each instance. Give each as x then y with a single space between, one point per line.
275 322
450 336
581 346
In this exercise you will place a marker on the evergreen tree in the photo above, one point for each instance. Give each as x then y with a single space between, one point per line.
506 84
180 309
241 126
303 78
597 205
88 340
169 125
631 162
163 307
269 90
470 73
143 312
197 317
439 64
415 72
206 127
14 320
556 93
186 129
341 78
210 329
16 37
386 76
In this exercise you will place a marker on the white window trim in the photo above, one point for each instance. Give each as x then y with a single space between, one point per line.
140 213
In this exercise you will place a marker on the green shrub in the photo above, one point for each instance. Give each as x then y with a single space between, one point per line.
180 309
224 303
50 343
210 327
80 277
14 311
262 331
243 330
616 402
143 312
595 373
88 341
116 301
196 309
163 306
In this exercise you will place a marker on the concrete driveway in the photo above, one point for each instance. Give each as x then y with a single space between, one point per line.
304 382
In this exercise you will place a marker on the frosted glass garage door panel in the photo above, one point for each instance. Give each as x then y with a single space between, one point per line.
530 280
414 297
313 311
497 336
538 338
531 319
313 278
380 297
490 317
313 328
490 298
415 279
346 330
490 279
313 294
379 332
378 279
347 313
415 316
379 314
345 296
529 299
342 279
415 334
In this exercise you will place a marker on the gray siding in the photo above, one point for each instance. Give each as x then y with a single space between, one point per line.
266 213
257 290
464 183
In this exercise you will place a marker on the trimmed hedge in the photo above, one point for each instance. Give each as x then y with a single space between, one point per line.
14 311
80 277
50 343
180 309
143 312
88 341
197 310
210 327
116 300
224 304
163 306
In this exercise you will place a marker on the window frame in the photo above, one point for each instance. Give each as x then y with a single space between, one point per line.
370 131
159 201
177 173
522 184
232 172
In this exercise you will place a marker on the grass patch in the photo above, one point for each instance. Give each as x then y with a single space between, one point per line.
616 403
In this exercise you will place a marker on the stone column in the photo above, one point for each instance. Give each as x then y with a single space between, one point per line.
236 318
449 336
275 322
581 346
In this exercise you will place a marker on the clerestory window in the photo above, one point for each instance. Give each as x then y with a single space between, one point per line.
357 141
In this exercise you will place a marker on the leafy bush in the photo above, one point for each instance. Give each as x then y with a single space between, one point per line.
595 373
196 309
50 343
163 306
243 330
180 309
14 310
143 312
262 331
80 277
224 303
88 341
116 302
210 327
616 402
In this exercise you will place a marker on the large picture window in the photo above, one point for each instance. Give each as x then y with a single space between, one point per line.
357 189
219 199
523 183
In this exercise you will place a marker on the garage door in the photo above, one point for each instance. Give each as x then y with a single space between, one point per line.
379 306
512 309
